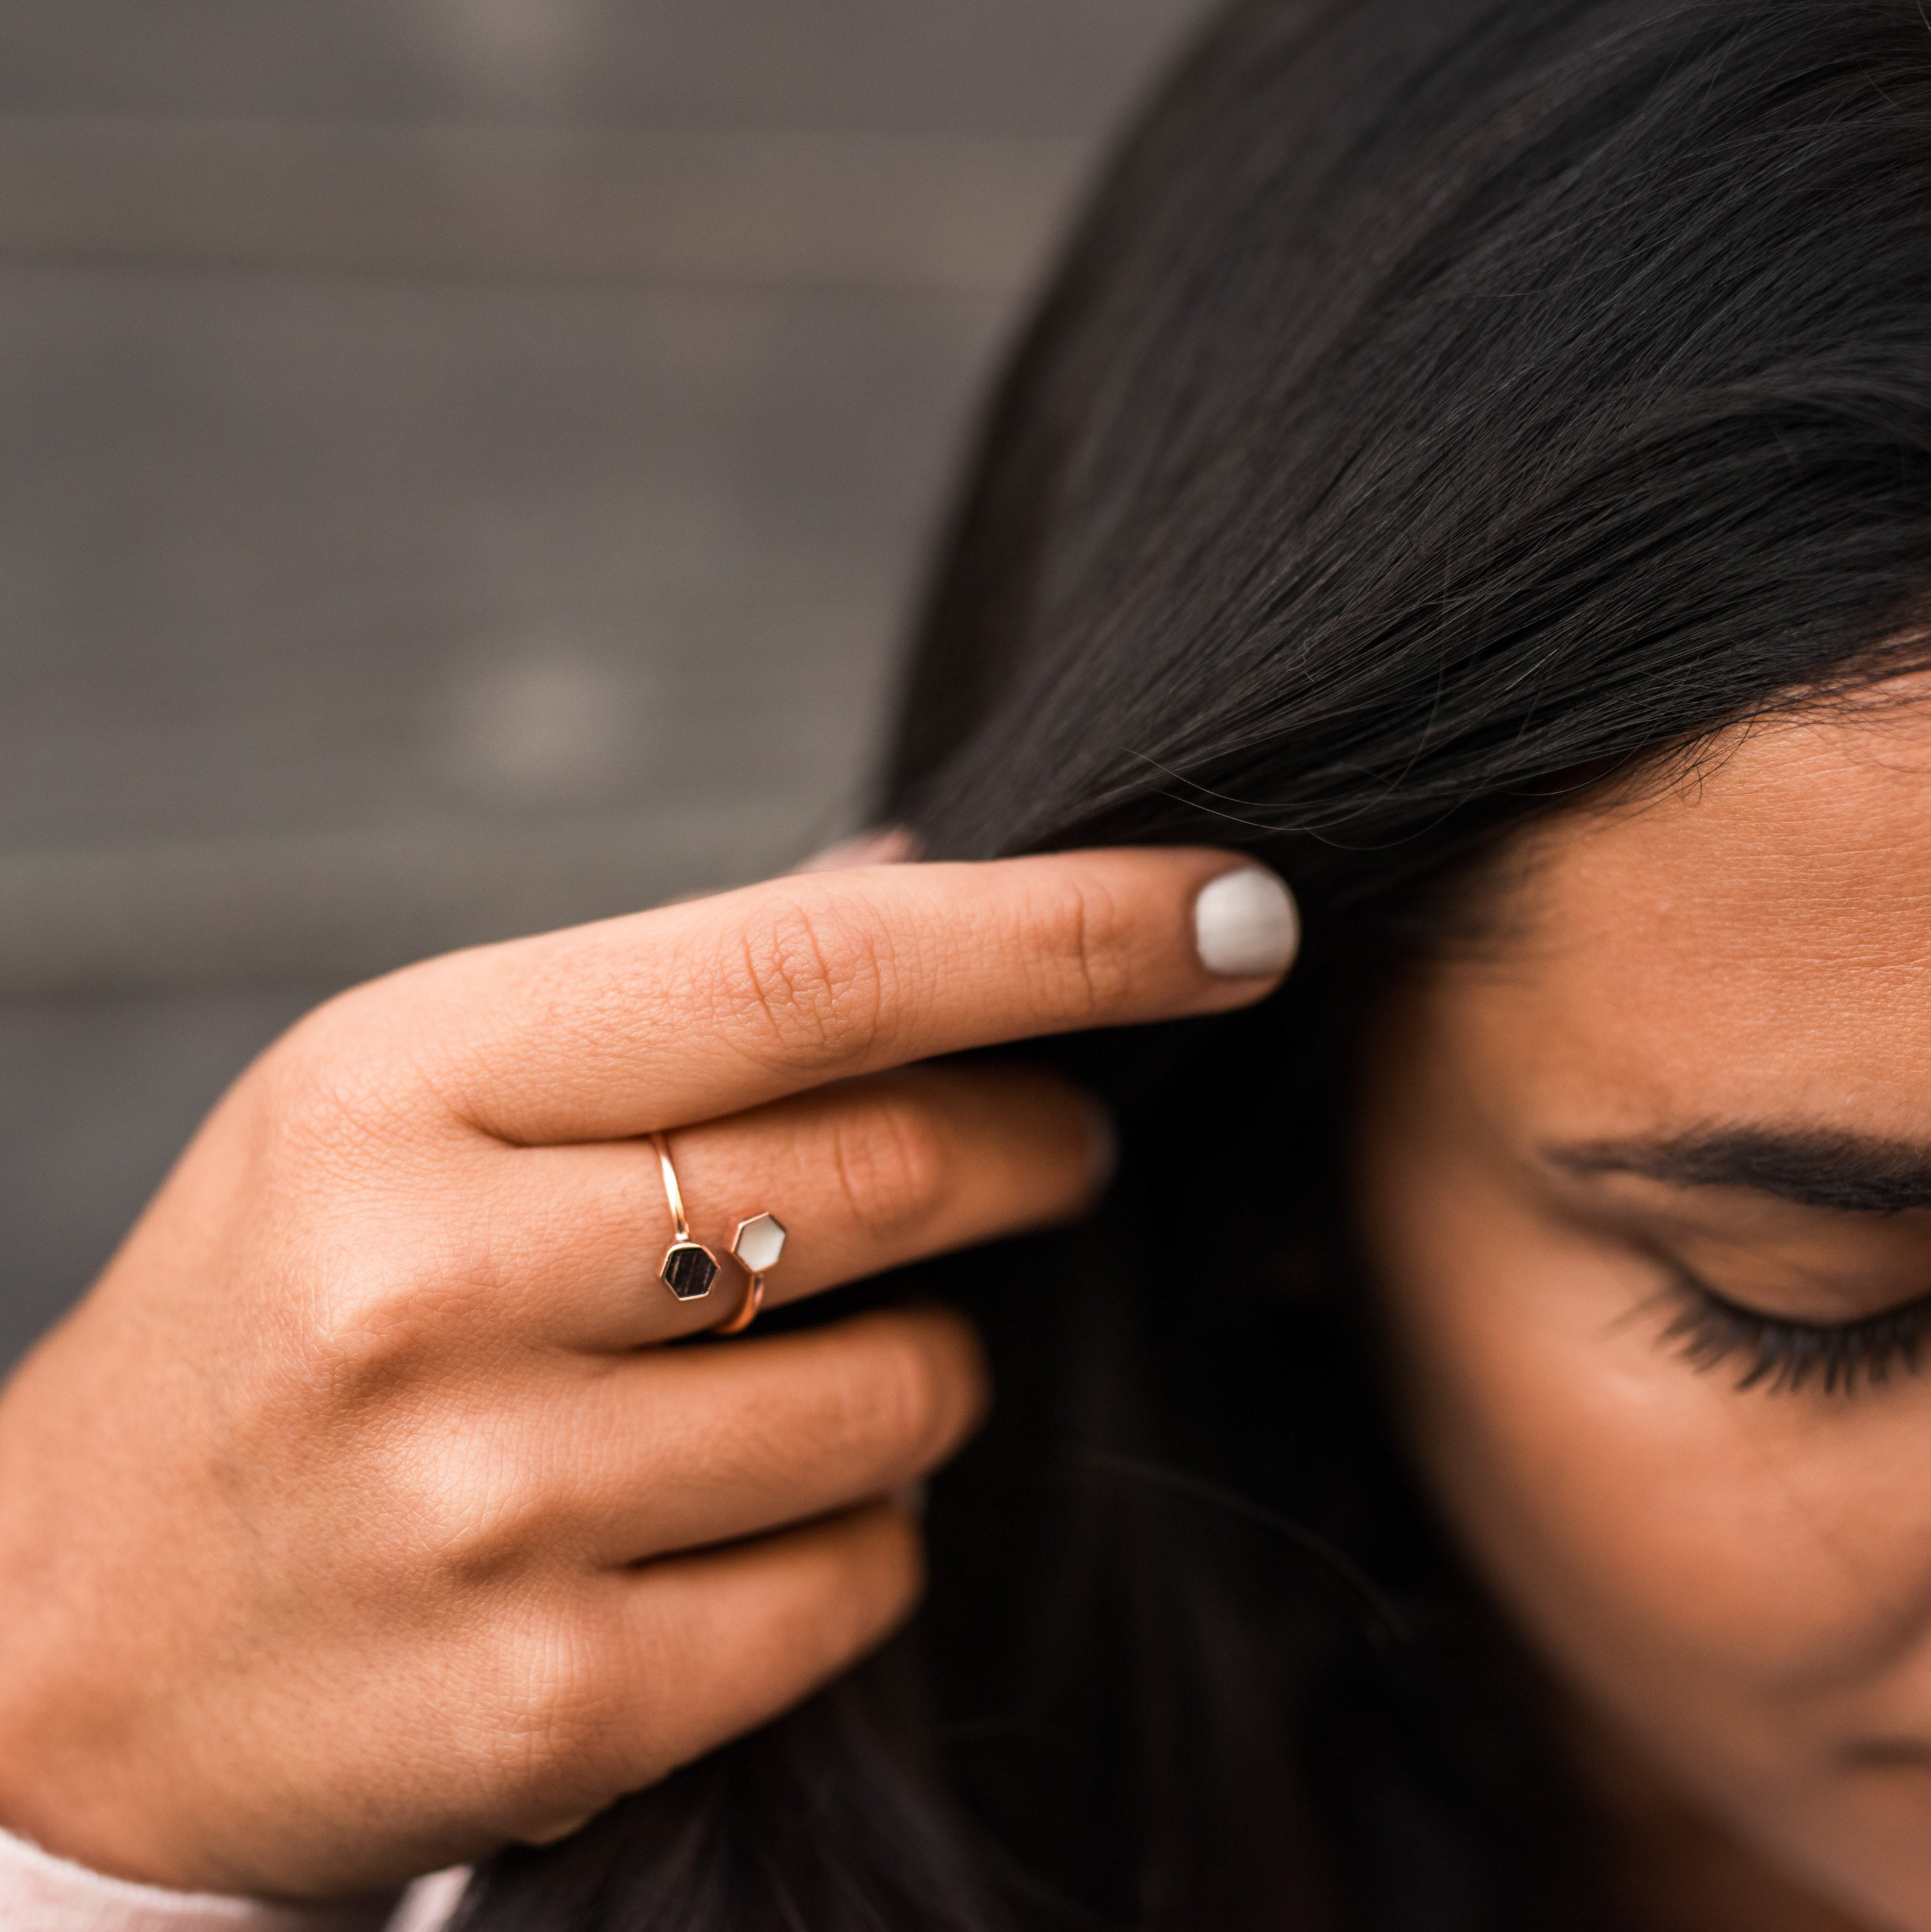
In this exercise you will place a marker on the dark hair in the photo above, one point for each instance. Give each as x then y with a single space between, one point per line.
1446 405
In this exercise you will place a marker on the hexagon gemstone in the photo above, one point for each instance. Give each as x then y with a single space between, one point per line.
688 1270
759 1241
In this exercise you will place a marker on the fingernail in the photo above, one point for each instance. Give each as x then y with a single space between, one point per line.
1244 924
1103 1145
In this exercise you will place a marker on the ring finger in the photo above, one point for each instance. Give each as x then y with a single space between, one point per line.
863 1176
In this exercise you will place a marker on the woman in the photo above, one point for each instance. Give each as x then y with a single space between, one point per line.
1467 1471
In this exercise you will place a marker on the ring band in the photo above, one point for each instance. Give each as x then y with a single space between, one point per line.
690 1270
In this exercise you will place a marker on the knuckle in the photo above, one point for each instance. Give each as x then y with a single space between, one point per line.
894 1569
892 1159
564 1682
477 1540
466 1499
868 1580
901 1403
1087 961
814 976
371 1329
326 1092
548 1739
366 1345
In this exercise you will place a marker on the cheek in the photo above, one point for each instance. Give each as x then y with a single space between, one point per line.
1675 1544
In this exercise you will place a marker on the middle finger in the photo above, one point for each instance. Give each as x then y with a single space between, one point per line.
663 1452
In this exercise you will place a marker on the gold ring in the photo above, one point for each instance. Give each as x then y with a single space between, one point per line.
690 1270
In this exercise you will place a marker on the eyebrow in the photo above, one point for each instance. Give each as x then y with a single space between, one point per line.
1814 1167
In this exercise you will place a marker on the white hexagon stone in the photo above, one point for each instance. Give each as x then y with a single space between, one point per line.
759 1241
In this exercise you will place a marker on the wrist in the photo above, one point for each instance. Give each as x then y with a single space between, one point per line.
58 1799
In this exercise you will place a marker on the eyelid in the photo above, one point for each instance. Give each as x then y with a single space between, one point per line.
1795 1295
1657 1212
1828 1280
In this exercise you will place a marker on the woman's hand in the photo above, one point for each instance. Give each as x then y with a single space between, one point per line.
352 1525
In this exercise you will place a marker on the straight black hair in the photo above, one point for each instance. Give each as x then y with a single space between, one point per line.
1446 408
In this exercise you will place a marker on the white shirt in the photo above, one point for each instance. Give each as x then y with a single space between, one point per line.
40 1893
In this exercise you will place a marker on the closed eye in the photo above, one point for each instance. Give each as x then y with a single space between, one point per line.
1779 1354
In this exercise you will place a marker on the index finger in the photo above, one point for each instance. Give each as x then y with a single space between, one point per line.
661 1018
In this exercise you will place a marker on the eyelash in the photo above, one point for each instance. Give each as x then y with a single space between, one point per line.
1782 1356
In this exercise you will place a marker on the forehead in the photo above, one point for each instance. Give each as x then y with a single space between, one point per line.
1752 942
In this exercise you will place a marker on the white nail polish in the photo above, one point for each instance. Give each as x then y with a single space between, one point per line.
1244 924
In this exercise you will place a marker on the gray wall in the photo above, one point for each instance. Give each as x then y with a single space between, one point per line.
463 463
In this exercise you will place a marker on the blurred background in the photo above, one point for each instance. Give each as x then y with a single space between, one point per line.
465 463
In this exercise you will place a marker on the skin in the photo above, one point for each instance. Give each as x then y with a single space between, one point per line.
1732 1586
355 1523
431 1548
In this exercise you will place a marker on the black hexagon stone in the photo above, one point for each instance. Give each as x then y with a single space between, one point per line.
688 1271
